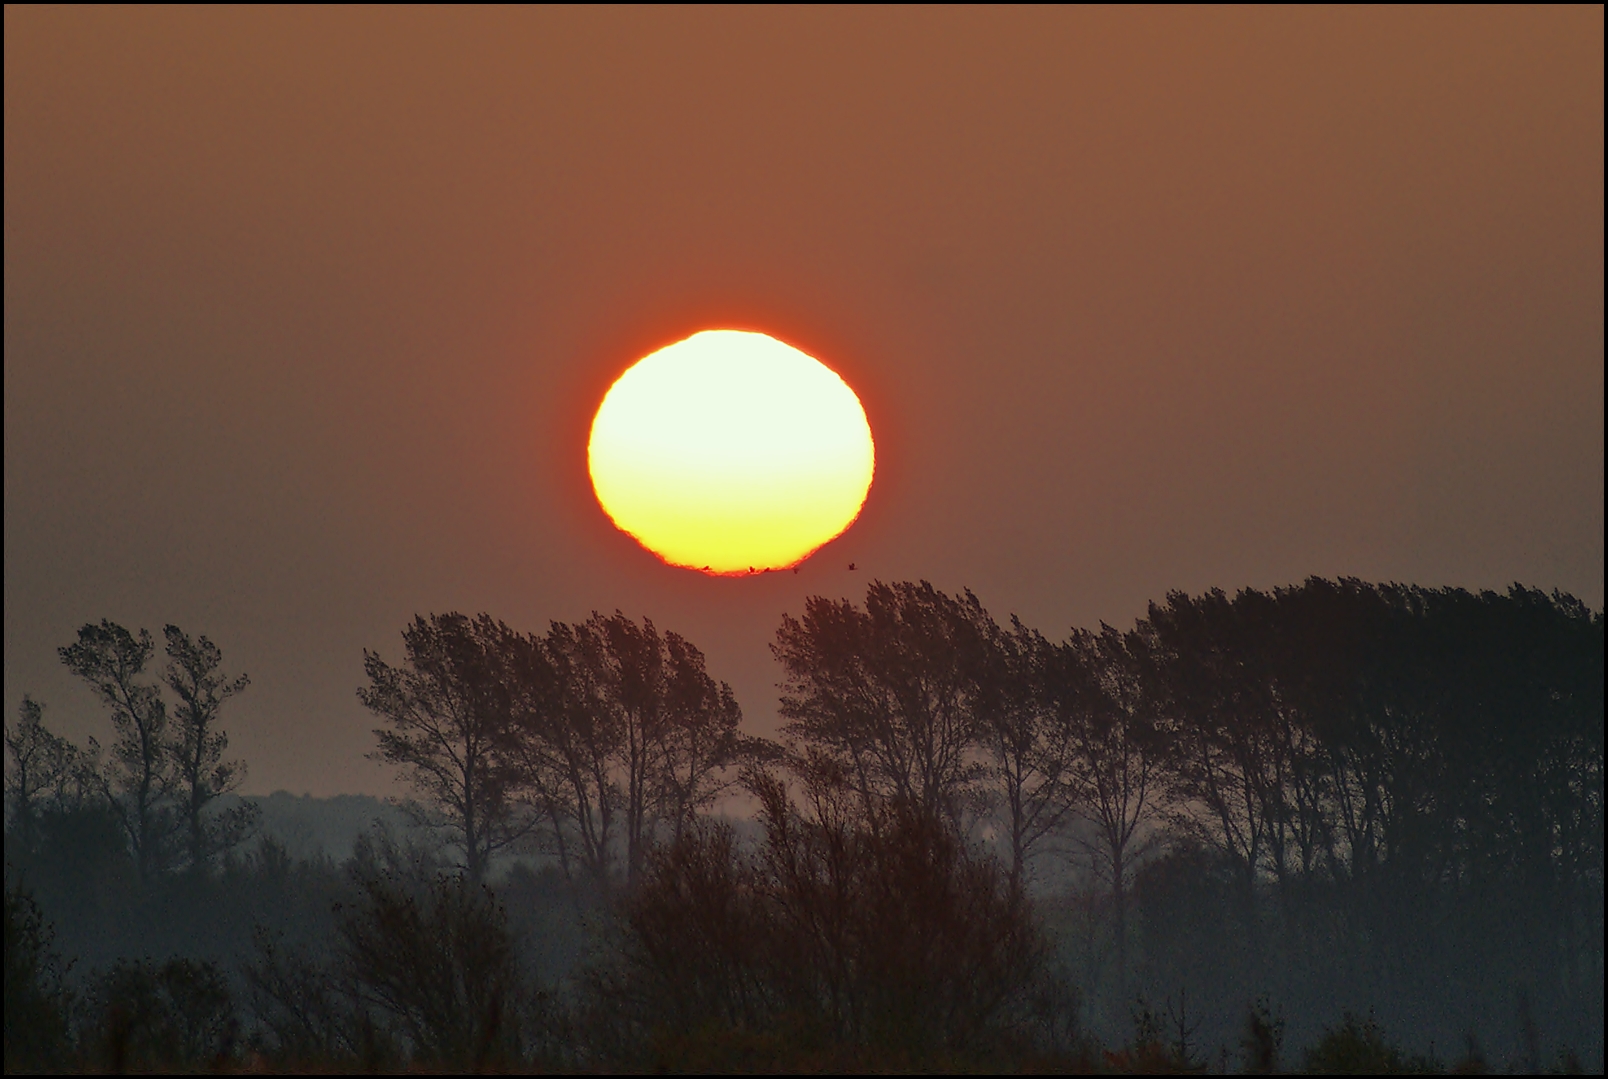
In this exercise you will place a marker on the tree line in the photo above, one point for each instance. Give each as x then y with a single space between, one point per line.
1335 733
165 768
1363 782
590 741
1334 788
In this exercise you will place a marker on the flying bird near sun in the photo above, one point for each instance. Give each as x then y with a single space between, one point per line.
731 453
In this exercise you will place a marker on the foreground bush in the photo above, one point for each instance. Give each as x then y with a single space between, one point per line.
872 932
423 971
1359 1047
176 1016
37 1003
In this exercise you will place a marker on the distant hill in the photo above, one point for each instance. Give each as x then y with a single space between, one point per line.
309 826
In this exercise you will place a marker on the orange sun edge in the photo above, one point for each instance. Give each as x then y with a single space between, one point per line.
752 571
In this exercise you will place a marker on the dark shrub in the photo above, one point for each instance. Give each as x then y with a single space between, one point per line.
37 1004
179 1016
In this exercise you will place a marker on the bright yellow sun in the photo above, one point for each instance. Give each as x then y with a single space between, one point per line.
731 453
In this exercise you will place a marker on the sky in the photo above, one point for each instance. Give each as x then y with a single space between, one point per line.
307 313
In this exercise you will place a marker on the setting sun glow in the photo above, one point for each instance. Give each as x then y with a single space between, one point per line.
731 453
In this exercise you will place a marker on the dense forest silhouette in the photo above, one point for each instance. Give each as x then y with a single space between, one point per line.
1334 827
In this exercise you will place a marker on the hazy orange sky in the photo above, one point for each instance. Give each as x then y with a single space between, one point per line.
307 313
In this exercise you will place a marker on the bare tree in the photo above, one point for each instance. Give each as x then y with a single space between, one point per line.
446 710
139 779
198 744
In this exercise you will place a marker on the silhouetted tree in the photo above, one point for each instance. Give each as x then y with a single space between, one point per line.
1216 767
198 745
1103 706
139 780
1356 793
41 769
700 743
621 734
1031 761
1411 773
447 709
565 742
890 692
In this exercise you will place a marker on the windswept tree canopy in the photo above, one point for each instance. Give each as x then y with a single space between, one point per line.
890 693
595 738
446 709
626 738
138 780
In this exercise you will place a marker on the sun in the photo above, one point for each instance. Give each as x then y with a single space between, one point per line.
731 453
